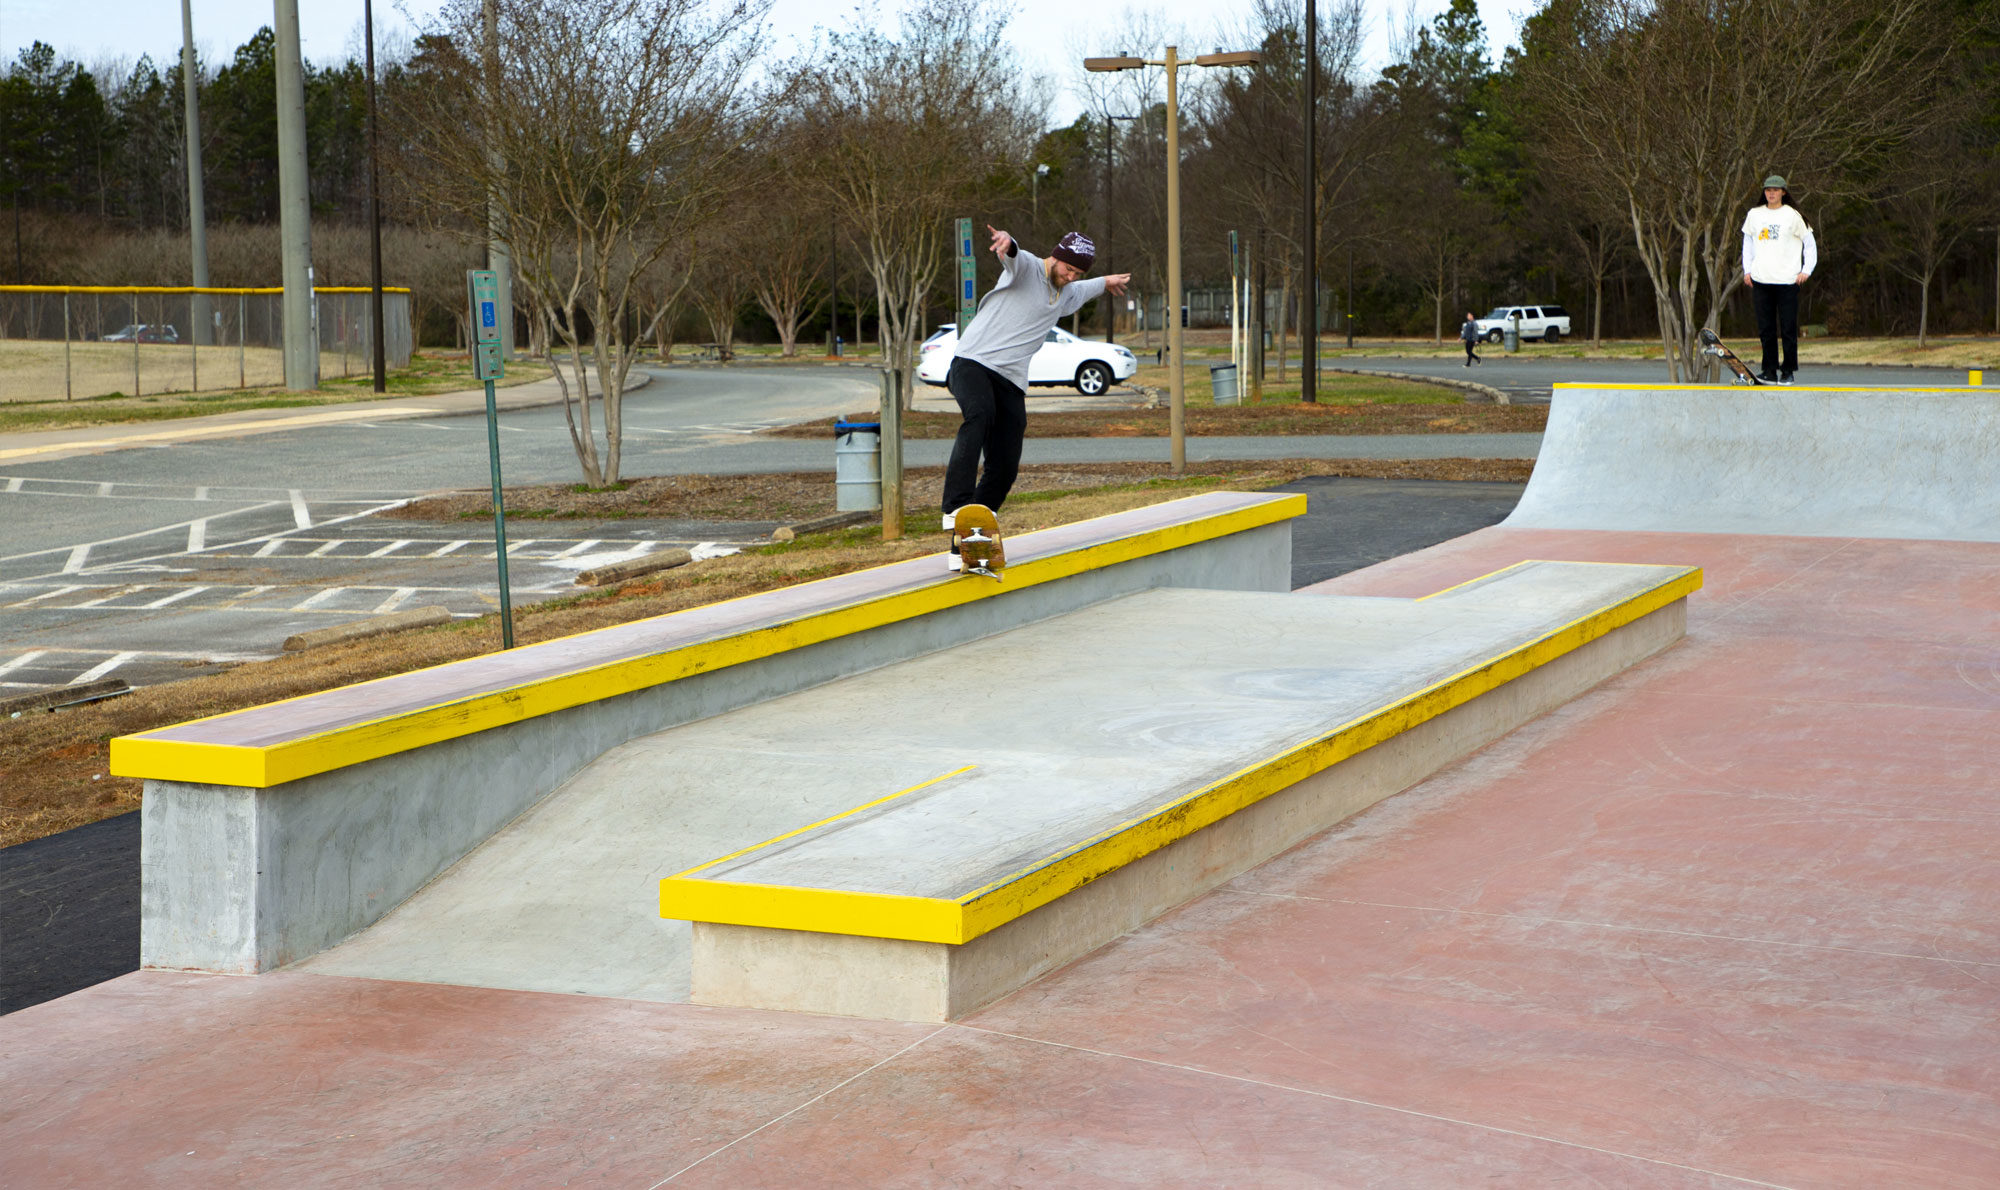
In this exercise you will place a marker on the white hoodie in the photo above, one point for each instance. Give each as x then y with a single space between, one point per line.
1777 246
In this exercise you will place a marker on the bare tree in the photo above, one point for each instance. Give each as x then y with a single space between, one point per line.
1673 109
615 128
911 126
785 261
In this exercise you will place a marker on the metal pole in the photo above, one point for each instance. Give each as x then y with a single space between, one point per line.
381 360
242 332
294 204
1257 318
499 519
892 453
1350 295
197 212
1309 290
1176 380
1110 302
66 381
137 333
499 257
194 351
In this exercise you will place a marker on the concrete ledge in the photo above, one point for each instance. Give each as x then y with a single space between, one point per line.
824 944
416 617
273 833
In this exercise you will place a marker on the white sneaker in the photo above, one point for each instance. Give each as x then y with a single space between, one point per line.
955 562
950 521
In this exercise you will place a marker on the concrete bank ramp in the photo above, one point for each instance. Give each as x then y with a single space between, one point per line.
1807 462
969 761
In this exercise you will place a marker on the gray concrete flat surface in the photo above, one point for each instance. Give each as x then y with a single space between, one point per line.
1528 377
1069 727
1791 461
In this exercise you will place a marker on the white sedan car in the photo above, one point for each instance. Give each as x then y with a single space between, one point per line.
1063 359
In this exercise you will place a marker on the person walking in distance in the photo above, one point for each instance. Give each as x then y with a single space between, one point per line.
1469 331
989 371
1778 255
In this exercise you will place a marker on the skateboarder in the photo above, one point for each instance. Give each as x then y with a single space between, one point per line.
1469 331
1778 255
989 372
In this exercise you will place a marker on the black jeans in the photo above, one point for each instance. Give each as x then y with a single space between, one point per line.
1469 357
996 419
1777 319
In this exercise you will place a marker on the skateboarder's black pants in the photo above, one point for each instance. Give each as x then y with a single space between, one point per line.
1469 357
1777 320
996 419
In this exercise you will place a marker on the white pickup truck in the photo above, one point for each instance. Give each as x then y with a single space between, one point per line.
1548 323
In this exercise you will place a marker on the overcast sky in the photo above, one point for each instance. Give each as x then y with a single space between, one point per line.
1045 31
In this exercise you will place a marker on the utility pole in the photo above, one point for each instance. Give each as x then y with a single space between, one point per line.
1309 244
499 260
295 204
1257 317
1110 221
381 360
201 332
1350 295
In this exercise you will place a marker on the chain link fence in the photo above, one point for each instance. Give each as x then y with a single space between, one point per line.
73 342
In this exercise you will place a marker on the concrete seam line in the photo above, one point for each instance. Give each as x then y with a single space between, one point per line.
619 572
416 617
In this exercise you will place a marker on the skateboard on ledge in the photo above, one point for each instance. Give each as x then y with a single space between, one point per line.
975 535
1712 344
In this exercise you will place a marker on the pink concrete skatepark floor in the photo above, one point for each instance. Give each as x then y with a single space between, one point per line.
1728 919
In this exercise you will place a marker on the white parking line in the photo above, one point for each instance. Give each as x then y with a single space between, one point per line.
45 595
326 549
268 548
312 601
447 548
391 548
176 597
578 548
104 667
76 557
299 512
27 658
394 601
14 484
201 493
197 535
104 489
101 600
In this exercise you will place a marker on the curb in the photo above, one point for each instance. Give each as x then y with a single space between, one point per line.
604 576
1497 396
63 696
416 617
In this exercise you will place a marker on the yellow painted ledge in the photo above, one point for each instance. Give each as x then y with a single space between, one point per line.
693 897
149 755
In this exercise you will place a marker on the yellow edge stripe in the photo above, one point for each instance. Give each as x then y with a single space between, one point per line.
1021 892
225 764
829 821
185 289
1797 388
820 910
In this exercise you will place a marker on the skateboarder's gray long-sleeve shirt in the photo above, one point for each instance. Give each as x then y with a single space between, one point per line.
1017 314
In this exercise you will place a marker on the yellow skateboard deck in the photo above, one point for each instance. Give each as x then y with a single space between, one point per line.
976 531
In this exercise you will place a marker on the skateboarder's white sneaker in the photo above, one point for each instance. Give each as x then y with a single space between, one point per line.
954 561
950 521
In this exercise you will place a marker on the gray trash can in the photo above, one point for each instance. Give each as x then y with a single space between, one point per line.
857 465
1510 338
1222 380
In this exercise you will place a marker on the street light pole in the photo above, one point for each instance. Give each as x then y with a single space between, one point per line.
198 319
1176 376
1309 292
381 353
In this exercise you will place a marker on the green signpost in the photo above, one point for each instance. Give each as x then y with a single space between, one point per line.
484 287
968 277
